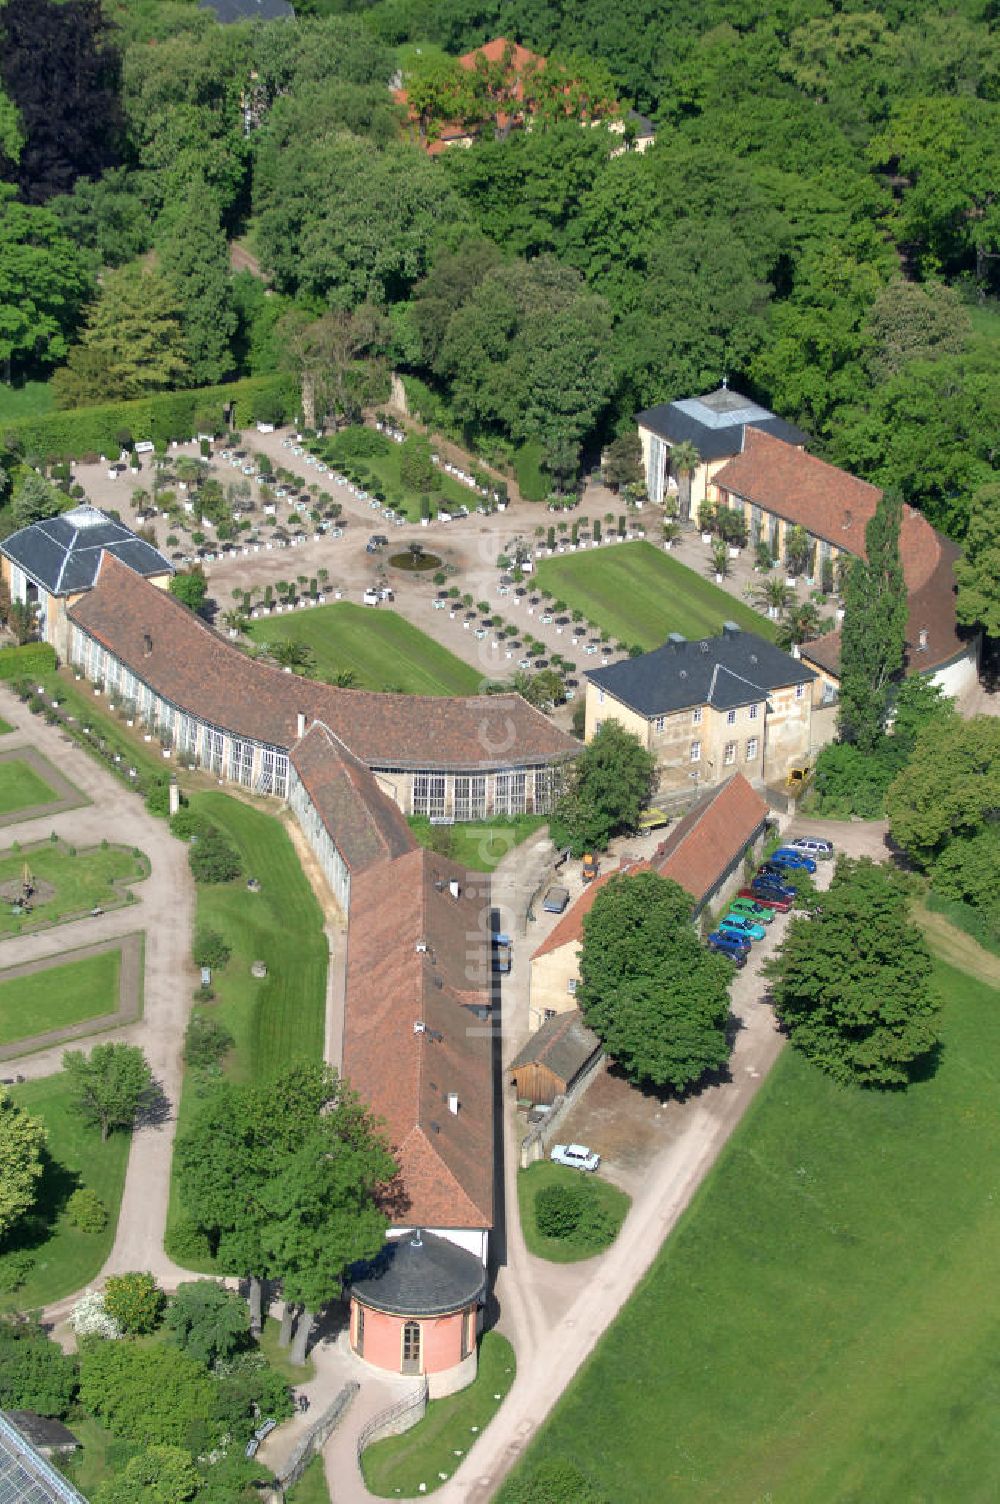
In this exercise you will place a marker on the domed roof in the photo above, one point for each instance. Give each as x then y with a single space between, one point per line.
420 1274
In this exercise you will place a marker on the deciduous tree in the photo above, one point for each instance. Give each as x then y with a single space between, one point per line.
22 1141
851 983
110 1085
35 1373
195 259
208 1321
655 996
43 283
159 1475
190 587
950 787
611 783
134 1301
978 572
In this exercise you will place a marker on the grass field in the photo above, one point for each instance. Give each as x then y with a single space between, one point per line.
282 1017
639 595
277 1356
566 1250
28 401
311 1487
5 727
386 467
821 1326
65 1259
477 846
59 995
82 880
21 787
397 1466
382 650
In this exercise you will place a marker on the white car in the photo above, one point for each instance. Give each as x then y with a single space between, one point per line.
576 1156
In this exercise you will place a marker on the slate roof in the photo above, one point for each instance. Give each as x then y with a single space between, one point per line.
420 1275
26 1477
42 1430
405 1072
563 1044
734 669
714 833
228 11
365 824
715 423
188 664
63 554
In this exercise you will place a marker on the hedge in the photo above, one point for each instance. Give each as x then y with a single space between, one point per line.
162 416
29 661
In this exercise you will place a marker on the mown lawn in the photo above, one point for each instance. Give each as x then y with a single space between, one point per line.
21 787
387 467
822 1324
382 650
31 400
397 1466
277 1356
479 846
64 1258
311 1487
608 1197
82 879
282 1017
59 995
5 727
640 594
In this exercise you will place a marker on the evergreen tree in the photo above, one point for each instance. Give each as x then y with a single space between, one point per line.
195 259
133 342
873 640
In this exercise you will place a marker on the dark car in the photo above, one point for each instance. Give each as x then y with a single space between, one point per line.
773 872
772 898
730 945
766 890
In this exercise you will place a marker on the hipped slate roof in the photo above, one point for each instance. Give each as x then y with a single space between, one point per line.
703 846
715 423
833 505
364 823
420 1275
734 669
63 554
418 979
193 668
563 1045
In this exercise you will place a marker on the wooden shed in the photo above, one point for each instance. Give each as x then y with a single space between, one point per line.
554 1058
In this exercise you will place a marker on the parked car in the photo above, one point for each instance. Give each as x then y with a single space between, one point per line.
739 924
772 872
730 945
653 818
576 1156
751 908
555 900
775 895
787 856
371 597
814 846
503 954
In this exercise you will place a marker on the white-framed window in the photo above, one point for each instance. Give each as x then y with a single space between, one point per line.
754 712
545 784
281 774
729 755
660 722
752 745
470 797
696 716
213 750
696 751
800 690
428 794
571 986
508 794
731 718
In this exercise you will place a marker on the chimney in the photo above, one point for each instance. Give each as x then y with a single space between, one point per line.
417 1241
421 947
453 888
922 640
300 724
453 1102
147 644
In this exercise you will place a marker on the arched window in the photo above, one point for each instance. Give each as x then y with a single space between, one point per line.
411 1347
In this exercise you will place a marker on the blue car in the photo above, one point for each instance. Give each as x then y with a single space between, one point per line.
728 944
765 888
787 856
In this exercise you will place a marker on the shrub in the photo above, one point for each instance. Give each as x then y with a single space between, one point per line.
135 1302
158 795
35 1374
85 1210
186 1243
14 1270
205 1042
90 1319
212 858
185 825
147 1394
209 948
558 1210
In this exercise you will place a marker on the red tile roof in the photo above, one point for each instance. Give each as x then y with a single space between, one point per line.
406 1073
703 846
569 930
365 825
193 668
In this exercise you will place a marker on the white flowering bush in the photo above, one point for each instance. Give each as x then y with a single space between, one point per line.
90 1319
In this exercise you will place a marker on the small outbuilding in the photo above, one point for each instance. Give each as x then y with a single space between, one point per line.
415 1310
554 1059
48 1436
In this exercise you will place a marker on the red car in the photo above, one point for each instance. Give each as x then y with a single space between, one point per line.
780 905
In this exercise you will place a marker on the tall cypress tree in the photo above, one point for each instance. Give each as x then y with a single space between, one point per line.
873 641
195 258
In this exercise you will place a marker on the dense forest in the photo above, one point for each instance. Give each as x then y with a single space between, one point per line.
818 220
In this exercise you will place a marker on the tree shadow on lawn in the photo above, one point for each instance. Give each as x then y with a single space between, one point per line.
658 1095
55 1186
